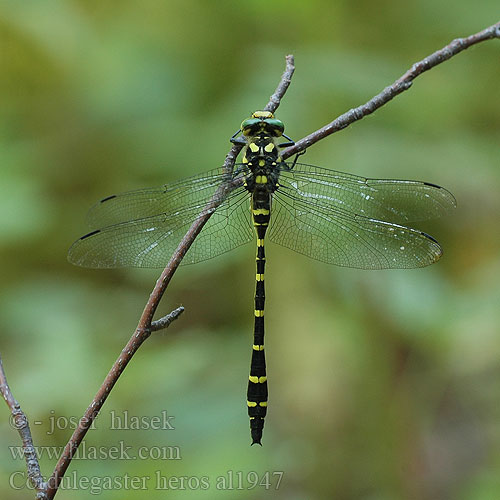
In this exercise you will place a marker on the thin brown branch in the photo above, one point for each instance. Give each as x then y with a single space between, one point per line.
286 78
145 327
399 86
20 422
162 323
140 335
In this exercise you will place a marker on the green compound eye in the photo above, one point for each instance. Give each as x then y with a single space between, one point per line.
249 124
277 126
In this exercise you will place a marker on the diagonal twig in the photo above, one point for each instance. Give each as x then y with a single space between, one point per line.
139 336
286 78
400 85
20 422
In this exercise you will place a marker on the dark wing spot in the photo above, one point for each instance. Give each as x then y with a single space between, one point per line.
108 198
433 185
423 234
90 234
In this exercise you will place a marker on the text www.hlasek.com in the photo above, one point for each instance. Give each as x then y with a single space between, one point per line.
120 451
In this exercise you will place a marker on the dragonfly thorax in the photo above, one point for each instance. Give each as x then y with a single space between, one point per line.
261 156
261 151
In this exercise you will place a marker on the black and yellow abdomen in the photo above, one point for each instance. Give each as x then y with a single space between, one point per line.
262 158
257 384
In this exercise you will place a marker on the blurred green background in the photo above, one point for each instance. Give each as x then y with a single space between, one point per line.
383 385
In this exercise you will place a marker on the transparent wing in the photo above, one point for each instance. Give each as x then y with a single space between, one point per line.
166 199
350 240
150 241
391 200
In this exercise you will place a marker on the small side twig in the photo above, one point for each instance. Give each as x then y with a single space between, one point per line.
162 323
20 422
400 85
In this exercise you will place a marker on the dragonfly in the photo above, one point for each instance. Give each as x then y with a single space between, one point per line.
330 216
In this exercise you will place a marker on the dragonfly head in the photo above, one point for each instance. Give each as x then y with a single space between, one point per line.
262 121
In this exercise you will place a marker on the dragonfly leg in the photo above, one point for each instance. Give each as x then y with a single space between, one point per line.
287 144
237 140
294 162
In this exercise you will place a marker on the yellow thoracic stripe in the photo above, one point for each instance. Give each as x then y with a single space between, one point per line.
260 211
259 277
256 347
269 147
257 380
253 147
261 179
259 313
